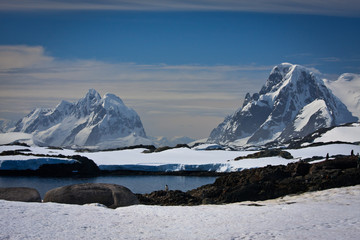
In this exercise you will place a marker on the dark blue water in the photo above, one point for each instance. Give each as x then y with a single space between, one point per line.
137 184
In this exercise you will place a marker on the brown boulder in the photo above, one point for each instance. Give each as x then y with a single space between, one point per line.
21 194
110 195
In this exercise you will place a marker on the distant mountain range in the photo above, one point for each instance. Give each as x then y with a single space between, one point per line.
293 103
92 121
172 142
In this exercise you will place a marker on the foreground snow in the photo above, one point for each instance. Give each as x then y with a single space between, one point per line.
179 159
330 214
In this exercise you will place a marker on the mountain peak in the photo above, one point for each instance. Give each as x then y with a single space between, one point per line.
282 68
287 106
348 77
91 121
92 93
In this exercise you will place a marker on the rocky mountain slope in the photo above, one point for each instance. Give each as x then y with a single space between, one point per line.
293 103
92 121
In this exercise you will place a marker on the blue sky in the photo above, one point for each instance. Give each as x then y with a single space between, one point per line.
182 65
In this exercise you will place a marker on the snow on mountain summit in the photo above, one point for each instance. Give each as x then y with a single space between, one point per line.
292 103
347 88
90 121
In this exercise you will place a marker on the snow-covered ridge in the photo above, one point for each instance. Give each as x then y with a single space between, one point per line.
293 103
92 121
308 111
349 133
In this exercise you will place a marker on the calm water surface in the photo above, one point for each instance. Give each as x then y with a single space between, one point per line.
137 184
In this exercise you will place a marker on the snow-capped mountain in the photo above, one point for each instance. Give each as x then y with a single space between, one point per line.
92 121
294 102
347 88
163 141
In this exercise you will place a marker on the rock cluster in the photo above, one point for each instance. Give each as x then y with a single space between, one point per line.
267 153
265 183
109 195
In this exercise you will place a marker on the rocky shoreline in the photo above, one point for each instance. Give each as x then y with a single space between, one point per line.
254 184
265 183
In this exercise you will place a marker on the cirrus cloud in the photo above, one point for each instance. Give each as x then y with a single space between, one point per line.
317 7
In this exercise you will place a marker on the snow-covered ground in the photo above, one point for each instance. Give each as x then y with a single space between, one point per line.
329 214
176 159
349 133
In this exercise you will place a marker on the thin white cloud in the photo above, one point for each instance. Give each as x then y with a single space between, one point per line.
17 57
321 7
330 59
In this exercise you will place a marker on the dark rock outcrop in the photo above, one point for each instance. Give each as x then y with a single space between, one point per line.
21 194
266 183
164 148
110 195
167 198
86 166
267 153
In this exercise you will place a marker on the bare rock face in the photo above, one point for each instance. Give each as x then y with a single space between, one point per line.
21 194
110 195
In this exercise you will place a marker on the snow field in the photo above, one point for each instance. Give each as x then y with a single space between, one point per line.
178 159
329 214
343 133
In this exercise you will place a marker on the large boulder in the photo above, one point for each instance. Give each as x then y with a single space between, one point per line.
111 195
21 194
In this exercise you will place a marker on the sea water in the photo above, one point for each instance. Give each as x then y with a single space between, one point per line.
136 183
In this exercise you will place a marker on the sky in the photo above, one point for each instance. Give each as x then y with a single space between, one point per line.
183 66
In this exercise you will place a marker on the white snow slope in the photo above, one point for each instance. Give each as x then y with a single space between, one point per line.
349 133
329 214
347 88
180 158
